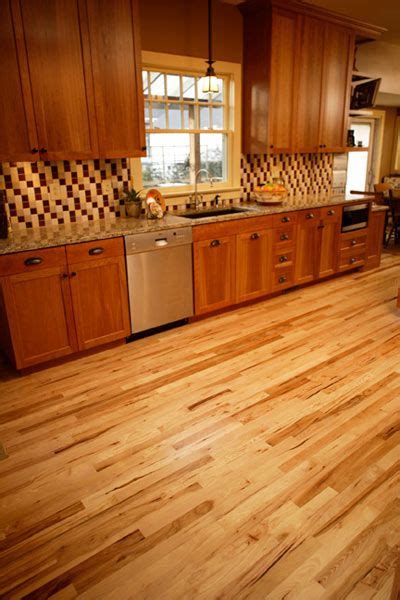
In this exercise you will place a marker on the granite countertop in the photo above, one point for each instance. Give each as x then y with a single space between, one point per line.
50 236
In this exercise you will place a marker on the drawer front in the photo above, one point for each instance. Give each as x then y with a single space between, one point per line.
350 261
94 250
32 260
283 218
211 231
283 278
331 214
354 242
284 258
284 235
309 216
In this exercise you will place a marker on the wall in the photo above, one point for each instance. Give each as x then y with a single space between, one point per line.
388 139
180 27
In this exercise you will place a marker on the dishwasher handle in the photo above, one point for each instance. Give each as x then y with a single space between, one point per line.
161 242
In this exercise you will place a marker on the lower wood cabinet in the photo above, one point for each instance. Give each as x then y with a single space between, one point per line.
214 274
307 243
52 307
253 264
331 219
375 238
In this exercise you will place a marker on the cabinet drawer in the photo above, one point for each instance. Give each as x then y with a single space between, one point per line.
93 250
284 235
355 241
351 260
32 260
283 258
309 216
281 219
331 213
283 278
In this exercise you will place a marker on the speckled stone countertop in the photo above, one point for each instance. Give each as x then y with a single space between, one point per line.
50 236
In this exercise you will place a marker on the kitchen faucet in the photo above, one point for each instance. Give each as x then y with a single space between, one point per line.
196 196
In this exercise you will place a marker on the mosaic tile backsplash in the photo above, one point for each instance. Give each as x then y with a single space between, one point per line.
41 193
45 193
301 173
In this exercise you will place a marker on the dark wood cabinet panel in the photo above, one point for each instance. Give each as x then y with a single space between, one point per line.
117 78
253 264
56 41
18 139
375 238
307 246
214 274
100 301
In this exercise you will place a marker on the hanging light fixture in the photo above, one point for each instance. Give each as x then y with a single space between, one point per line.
209 82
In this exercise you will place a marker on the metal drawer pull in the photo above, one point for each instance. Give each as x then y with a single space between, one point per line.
282 279
283 259
215 243
284 236
95 251
310 216
285 219
331 212
73 274
353 260
353 242
255 236
31 262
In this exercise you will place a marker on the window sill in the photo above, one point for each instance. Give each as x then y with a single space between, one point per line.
201 190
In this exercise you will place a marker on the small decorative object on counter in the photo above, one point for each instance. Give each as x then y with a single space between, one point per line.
155 204
3 216
351 140
133 203
271 193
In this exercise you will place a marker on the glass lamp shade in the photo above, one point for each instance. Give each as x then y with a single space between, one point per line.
209 84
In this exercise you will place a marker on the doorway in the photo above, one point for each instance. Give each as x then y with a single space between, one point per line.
361 174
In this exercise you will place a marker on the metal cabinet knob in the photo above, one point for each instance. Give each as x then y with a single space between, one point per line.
353 242
43 150
31 262
35 150
283 258
285 219
331 212
73 274
215 243
95 251
353 260
282 279
284 236
255 236
64 276
310 216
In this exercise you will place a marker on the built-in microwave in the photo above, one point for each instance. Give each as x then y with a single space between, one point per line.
355 217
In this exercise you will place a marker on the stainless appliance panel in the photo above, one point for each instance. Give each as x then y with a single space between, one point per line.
355 217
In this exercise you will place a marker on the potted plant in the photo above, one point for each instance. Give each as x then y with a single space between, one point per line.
133 202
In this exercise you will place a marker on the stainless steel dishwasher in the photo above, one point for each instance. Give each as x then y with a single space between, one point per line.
160 281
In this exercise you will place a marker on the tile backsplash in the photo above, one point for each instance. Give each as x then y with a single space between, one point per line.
41 193
61 192
302 173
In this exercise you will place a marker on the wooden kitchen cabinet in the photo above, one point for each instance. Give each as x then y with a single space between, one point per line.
329 241
37 303
73 72
376 227
253 264
307 245
214 273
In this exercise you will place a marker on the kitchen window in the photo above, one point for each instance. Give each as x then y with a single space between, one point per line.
187 130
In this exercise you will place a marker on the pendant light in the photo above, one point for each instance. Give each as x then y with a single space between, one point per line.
209 82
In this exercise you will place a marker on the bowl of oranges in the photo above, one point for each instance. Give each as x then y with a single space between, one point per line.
270 193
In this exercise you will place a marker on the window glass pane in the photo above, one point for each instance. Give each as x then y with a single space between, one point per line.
147 115
168 159
189 90
189 116
159 120
173 87
157 84
213 155
217 117
174 116
145 83
204 117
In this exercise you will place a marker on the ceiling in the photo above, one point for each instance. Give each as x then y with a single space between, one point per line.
385 13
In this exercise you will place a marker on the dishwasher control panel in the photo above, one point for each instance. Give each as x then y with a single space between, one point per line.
157 240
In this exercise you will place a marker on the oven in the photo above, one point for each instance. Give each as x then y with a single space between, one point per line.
355 217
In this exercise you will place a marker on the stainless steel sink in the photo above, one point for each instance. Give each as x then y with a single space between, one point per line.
215 212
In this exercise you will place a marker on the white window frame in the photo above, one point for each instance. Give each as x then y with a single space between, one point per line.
188 65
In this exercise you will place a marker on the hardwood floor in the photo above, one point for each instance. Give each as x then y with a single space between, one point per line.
251 455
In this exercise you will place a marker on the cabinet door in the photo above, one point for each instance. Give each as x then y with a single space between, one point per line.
309 84
214 274
283 57
56 41
375 238
335 102
306 267
329 245
116 60
18 140
100 301
253 264
40 315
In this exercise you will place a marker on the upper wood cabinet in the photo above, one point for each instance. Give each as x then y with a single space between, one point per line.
18 139
75 74
296 76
